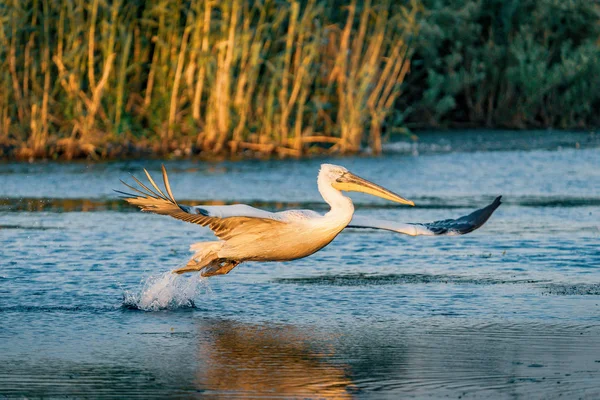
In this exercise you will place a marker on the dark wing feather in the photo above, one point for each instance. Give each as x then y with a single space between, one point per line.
459 226
465 224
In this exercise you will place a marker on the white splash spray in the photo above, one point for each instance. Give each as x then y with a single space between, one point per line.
165 291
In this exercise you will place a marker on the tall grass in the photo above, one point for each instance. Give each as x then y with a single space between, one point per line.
102 78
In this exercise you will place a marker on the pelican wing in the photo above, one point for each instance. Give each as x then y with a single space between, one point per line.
234 210
459 226
224 221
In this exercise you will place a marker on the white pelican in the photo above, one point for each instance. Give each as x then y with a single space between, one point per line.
248 234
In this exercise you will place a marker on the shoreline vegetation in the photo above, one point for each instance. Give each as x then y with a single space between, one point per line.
105 79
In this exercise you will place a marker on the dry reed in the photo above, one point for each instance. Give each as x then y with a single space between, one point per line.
100 78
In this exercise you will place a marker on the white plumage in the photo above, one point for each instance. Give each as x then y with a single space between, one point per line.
246 233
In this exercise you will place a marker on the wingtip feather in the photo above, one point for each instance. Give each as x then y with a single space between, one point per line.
155 185
123 194
148 194
167 185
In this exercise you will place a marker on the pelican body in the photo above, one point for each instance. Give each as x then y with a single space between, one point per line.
249 234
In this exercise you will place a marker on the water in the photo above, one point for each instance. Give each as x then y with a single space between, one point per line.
509 311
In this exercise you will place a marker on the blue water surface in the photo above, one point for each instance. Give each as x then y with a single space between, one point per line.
88 309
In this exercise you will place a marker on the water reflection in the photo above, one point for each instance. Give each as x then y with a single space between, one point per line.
65 205
408 360
252 359
186 355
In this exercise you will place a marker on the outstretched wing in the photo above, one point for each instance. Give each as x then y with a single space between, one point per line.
225 222
459 226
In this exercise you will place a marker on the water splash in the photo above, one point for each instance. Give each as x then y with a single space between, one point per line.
166 291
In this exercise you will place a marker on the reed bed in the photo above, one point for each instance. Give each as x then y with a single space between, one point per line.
111 78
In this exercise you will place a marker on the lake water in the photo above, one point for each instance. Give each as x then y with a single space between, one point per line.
509 311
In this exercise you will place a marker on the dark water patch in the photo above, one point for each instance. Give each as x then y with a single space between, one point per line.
59 205
38 228
79 380
556 201
579 289
58 309
362 279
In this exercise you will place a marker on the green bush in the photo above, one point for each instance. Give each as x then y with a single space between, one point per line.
506 63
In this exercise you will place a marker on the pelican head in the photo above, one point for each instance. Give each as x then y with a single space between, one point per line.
342 179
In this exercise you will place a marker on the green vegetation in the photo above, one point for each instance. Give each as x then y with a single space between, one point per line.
111 78
507 63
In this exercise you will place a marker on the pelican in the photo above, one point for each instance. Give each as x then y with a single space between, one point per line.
246 233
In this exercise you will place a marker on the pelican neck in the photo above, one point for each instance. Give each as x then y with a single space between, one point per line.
341 205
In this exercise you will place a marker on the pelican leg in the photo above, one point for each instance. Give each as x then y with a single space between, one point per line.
206 254
220 267
193 266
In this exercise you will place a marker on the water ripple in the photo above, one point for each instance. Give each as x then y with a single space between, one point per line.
362 279
59 205
589 289
25 227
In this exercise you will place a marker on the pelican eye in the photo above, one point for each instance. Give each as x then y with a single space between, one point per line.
342 177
